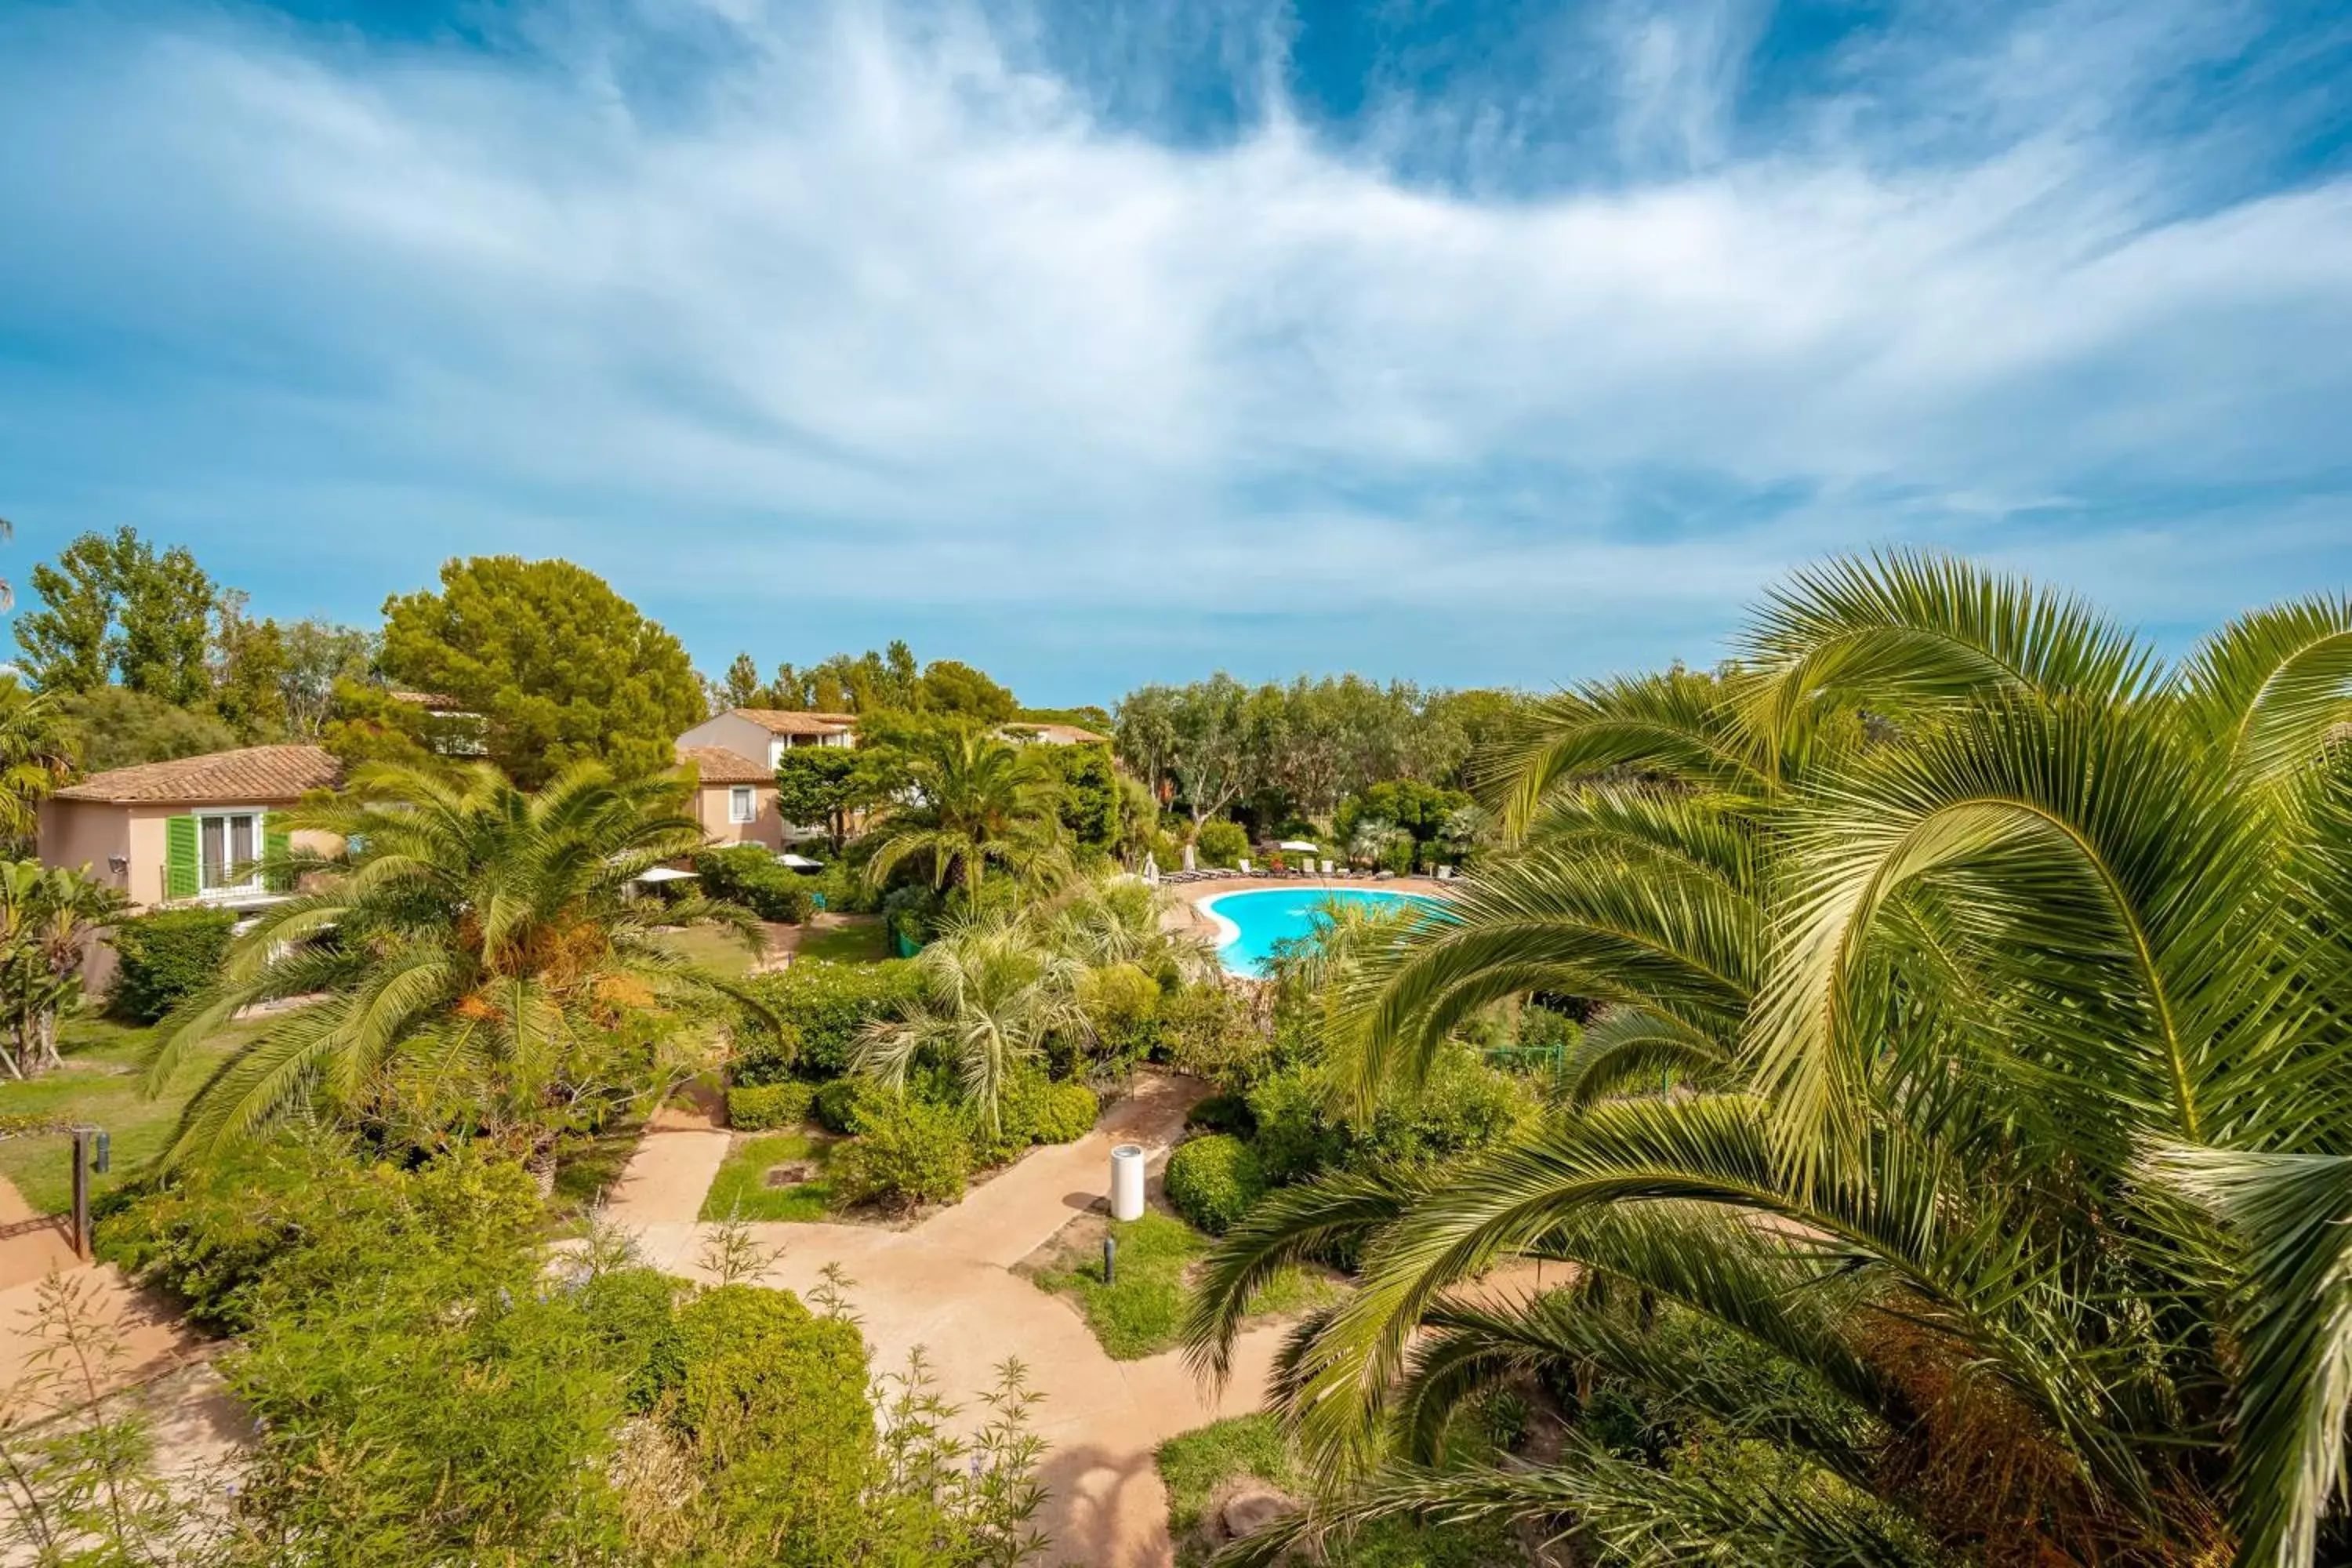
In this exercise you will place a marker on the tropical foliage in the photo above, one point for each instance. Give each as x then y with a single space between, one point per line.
483 966
971 803
48 917
1997 1208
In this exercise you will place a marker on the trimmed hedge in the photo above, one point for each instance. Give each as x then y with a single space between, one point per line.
749 875
825 1006
757 1107
1213 1180
166 956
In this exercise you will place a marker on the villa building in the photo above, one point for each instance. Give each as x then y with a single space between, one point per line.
734 756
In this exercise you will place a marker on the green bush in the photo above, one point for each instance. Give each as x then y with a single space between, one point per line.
166 956
906 1152
1222 1113
1213 1180
1461 1105
843 1105
1221 843
1207 1031
237 1238
771 1402
823 1006
749 875
1122 1005
1295 1134
757 1107
1067 1114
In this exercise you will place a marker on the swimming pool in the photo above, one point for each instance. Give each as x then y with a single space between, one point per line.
1249 924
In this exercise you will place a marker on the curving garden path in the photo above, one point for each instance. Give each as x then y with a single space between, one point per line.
946 1285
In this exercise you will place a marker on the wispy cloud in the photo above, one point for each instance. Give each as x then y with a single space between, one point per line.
806 326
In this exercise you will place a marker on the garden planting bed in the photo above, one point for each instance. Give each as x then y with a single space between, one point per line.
1141 1312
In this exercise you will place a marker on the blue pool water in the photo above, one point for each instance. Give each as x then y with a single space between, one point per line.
1251 922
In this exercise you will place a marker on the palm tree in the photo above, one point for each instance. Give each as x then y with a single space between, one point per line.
35 755
973 802
989 995
49 919
477 952
2005 1213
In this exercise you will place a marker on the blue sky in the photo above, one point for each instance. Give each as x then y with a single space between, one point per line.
1096 342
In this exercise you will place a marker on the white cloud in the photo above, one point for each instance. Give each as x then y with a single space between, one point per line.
880 304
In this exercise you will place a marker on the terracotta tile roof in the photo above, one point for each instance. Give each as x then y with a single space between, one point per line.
255 775
781 721
718 766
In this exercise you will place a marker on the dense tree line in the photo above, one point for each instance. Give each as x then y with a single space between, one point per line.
1278 753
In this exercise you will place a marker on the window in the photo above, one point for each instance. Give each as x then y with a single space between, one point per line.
740 805
228 843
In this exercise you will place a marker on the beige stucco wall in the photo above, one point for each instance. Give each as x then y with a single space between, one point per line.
78 833
766 827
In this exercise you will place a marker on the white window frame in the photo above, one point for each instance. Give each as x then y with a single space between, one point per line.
253 883
742 804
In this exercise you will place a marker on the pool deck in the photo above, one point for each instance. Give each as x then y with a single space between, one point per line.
1184 912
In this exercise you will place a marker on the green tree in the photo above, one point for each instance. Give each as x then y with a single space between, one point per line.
973 802
562 668
37 755
952 688
2000 1213
481 962
69 642
250 685
823 784
318 654
115 608
366 723
987 998
48 917
115 726
741 688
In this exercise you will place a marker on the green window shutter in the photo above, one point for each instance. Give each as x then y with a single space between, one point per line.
179 858
275 844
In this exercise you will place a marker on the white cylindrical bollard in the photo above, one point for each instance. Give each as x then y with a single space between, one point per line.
1127 1182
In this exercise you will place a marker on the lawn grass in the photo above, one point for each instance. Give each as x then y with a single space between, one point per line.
1141 1312
863 941
103 1083
740 1189
1195 1465
720 951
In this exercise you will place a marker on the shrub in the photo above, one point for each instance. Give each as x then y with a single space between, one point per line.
1295 1135
1067 1115
906 1152
757 1107
1213 1180
1461 1105
235 1237
842 1105
1207 1031
1221 843
1032 1108
749 875
823 1006
771 1402
1222 1113
1122 1005
166 956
